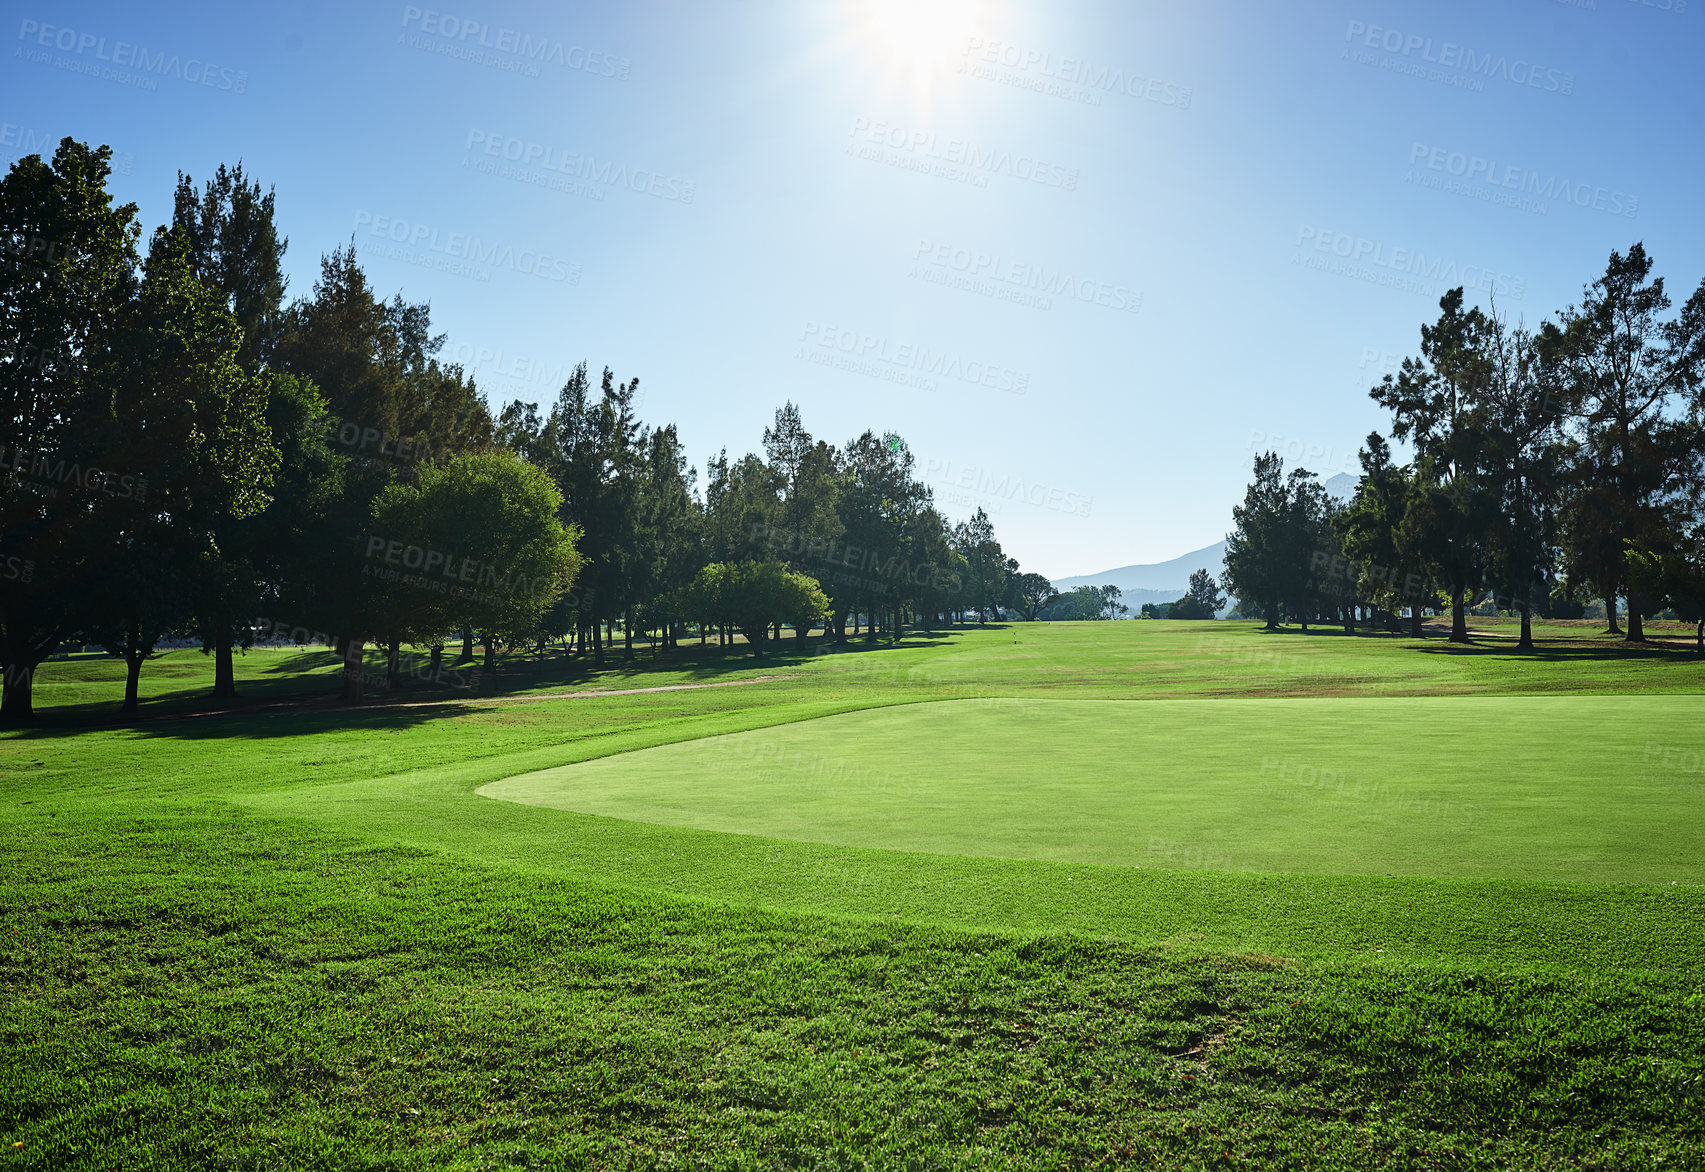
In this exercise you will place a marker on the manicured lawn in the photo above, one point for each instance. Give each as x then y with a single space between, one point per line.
1531 787
297 936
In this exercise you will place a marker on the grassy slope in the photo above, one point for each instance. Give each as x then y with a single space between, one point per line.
365 965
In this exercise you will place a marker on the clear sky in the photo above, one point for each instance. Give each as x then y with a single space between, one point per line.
1086 258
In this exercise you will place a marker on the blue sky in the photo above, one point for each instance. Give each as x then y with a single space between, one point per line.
1085 258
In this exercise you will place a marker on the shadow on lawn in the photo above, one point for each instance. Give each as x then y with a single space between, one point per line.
303 695
1548 648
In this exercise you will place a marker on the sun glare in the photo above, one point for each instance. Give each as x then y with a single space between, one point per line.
921 41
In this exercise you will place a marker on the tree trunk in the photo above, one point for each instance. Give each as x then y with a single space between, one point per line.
1699 637
435 665
15 702
1415 620
1526 641
597 644
489 643
1350 619
1636 621
1615 628
1458 617
132 681
627 636
467 645
224 671
352 670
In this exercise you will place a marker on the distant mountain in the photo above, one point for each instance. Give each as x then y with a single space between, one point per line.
1340 487
1169 579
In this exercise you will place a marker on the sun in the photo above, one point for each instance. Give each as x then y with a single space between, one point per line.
923 41
920 31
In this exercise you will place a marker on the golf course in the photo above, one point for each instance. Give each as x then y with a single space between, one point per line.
1169 894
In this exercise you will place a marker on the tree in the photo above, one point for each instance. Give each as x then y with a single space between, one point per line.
669 527
1080 604
238 252
476 542
753 596
1369 529
986 581
1258 562
1518 417
67 272
1111 605
1202 601
1432 400
1621 365
184 408
1029 593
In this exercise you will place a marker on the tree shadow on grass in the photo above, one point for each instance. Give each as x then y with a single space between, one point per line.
303 697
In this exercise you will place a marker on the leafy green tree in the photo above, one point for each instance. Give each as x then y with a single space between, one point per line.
67 273
986 582
1029 593
185 409
879 495
670 527
1202 601
752 597
1080 604
475 542
237 251
1369 527
1623 365
1259 561
1519 416
1433 401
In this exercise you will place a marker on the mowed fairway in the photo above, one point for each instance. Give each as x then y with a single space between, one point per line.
1543 788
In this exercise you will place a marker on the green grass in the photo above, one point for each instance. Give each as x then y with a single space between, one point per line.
297 936
1552 787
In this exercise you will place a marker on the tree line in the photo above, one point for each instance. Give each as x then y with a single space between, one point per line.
1550 467
189 453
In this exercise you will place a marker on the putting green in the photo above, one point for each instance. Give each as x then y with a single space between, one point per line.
1608 789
